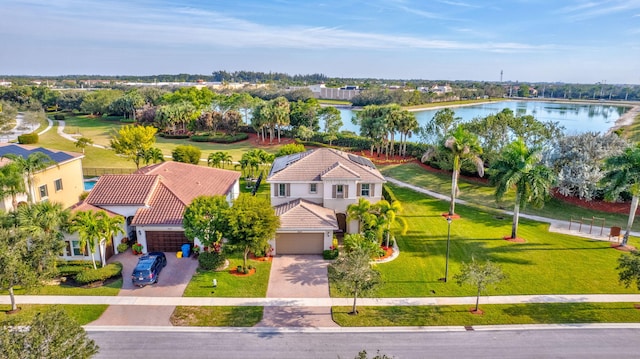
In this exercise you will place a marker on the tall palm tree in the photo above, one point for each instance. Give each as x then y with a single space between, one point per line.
44 223
108 227
226 158
12 183
87 225
407 124
29 166
623 174
519 168
464 146
214 159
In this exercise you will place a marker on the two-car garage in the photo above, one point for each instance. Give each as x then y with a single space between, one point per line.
165 241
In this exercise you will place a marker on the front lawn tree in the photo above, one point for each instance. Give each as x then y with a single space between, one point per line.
206 219
352 273
629 269
623 175
133 142
519 168
252 223
481 276
83 142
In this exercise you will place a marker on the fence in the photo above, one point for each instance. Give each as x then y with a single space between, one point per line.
97 172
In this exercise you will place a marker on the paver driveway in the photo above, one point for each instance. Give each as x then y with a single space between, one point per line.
172 281
298 276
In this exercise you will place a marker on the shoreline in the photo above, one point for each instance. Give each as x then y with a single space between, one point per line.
626 119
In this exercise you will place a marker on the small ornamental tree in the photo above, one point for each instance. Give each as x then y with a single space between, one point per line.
83 142
480 275
353 274
17 266
629 269
51 335
187 154
133 142
252 223
206 219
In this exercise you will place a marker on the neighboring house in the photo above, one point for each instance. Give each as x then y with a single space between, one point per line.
61 182
153 200
311 191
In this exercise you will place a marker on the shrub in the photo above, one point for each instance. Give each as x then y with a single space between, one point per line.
95 275
211 260
122 247
388 194
28 138
290 149
330 254
71 270
187 154
58 117
127 120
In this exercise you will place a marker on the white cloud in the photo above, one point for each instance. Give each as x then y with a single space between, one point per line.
589 10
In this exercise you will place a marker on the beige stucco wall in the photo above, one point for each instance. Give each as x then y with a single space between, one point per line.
72 183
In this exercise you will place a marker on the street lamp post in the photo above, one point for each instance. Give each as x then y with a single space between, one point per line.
446 266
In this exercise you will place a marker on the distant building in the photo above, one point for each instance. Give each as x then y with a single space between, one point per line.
331 93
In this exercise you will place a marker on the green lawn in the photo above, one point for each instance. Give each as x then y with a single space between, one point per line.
216 316
478 192
110 289
547 263
459 315
83 314
229 285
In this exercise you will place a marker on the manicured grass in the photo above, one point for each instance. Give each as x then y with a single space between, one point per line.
546 263
229 285
83 314
216 316
451 103
459 315
478 192
110 289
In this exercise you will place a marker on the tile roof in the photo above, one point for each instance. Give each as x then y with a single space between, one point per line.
300 213
339 171
163 190
128 190
311 165
188 181
84 206
24 151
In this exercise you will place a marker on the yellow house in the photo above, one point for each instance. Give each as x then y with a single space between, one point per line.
61 182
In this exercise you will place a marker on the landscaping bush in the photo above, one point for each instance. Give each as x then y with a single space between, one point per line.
58 117
122 247
177 136
224 138
187 154
388 194
28 138
330 254
95 275
127 120
70 270
211 260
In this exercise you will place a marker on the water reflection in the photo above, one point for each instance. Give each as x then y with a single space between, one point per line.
575 118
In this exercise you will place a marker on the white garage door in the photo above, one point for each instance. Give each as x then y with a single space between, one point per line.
299 243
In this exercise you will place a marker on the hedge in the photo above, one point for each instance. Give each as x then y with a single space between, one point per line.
95 275
28 138
58 117
388 194
220 139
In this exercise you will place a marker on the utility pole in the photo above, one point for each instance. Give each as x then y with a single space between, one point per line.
501 76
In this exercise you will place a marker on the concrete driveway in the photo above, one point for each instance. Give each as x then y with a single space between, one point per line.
172 282
298 276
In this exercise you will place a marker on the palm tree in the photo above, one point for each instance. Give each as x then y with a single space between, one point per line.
213 160
12 183
35 162
109 227
519 168
153 155
463 146
226 158
623 174
44 223
407 124
360 212
87 225
389 212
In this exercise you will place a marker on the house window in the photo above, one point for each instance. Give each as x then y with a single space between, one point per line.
313 188
365 190
73 248
339 191
282 190
44 192
58 184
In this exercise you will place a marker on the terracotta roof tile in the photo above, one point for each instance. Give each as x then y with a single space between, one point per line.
310 166
129 190
164 208
300 213
84 206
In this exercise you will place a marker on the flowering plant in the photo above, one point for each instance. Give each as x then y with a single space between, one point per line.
196 249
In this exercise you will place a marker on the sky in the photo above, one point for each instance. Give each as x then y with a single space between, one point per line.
572 41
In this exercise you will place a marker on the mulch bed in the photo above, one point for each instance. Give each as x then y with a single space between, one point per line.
256 140
621 248
235 272
71 282
476 312
388 251
514 240
260 259
602 206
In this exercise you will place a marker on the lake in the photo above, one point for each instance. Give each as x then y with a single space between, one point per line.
574 117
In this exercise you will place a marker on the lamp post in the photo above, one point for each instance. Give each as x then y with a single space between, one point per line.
446 266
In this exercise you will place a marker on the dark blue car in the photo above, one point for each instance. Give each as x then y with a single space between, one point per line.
148 269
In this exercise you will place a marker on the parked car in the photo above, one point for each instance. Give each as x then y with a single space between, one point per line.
148 269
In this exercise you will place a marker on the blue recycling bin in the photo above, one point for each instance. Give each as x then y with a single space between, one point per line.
186 248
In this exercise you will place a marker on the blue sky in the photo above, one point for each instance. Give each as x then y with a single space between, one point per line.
585 41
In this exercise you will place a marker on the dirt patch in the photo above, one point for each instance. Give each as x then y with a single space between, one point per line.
257 141
622 248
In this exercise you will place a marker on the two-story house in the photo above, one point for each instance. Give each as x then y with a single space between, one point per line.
311 191
60 182
153 200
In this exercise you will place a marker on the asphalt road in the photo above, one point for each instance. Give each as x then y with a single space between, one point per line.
546 343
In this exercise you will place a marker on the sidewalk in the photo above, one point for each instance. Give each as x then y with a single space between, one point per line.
556 226
320 302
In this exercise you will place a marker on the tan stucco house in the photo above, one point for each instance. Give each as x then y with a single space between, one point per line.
153 200
310 191
60 182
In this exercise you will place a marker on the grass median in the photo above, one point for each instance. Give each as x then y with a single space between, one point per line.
83 314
